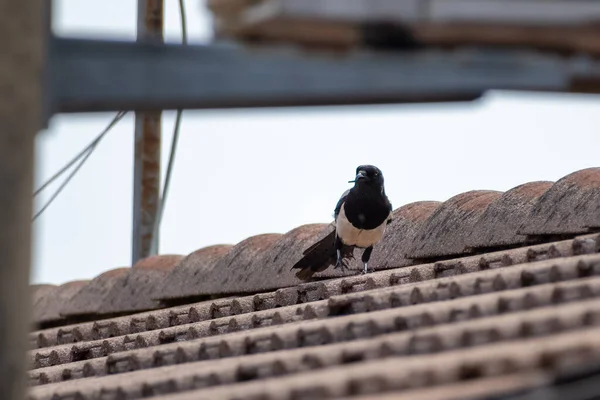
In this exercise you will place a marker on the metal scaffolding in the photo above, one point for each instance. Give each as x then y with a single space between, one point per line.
41 75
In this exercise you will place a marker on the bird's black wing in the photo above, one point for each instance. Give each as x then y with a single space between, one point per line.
320 255
338 206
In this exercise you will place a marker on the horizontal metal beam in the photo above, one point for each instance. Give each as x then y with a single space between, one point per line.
92 75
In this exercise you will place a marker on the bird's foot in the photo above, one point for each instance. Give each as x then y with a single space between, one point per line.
366 269
340 263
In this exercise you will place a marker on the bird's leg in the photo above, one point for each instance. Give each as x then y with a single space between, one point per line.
338 249
365 258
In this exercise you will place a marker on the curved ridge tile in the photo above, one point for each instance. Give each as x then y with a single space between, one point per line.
48 311
89 299
227 271
445 231
271 270
134 293
407 221
570 206
389 253
190 272
162 262
499 224
40 295
40 291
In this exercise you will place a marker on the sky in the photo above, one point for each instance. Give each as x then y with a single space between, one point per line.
240 173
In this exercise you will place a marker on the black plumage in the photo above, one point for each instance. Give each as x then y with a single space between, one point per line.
361 215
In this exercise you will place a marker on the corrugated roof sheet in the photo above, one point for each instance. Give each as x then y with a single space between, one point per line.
464 303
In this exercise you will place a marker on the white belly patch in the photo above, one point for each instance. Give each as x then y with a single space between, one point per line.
352 236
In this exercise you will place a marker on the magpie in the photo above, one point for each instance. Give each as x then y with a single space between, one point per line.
360 219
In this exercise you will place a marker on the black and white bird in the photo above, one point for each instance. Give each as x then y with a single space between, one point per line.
361 216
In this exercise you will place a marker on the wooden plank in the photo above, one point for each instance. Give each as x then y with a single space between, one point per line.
531 12
546 25
536 12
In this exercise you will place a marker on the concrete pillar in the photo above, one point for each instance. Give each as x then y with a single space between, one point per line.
22 30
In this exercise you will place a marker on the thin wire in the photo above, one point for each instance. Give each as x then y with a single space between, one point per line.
93 143
183 17
176 130
86 153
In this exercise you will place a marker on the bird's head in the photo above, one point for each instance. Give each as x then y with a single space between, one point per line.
368 175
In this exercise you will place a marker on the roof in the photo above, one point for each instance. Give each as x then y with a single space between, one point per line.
487 293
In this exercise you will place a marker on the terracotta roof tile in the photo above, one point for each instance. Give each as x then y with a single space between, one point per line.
417 361
47 310
407 221
313 292
38 292
270 269
570 206
389 253
120 326
163 262
455 327
504 385
141 283
445 231
359 337
524 275
39 296
499 224
186 277
88 302
494 311
233 266
383 319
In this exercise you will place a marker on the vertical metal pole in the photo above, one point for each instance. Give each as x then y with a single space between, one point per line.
146 179
22 30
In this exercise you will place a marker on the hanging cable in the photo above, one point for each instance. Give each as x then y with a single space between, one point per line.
93 143
83 155
163 198
183 18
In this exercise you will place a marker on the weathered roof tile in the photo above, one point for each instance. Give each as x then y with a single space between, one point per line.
47 311
407 221
271 269
570 206
445 232
499 224
142 282
39 294
236 264
88 302
183 282
467 324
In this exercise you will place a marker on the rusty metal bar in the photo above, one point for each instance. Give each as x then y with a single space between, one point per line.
146 179
22 38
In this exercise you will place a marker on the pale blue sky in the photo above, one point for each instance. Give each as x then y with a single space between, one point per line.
242 173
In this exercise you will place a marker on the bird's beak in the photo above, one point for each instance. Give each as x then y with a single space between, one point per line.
361 175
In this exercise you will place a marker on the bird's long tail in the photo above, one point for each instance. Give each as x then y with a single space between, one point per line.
320 256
